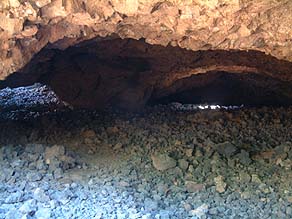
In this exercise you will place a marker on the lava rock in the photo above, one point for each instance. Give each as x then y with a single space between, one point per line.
40 195
53 152
163 162
244 157
14 198
28 207
200 211
193 186
226 149
183 164
43 213
220 184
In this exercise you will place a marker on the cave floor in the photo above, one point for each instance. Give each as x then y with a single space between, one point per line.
161 163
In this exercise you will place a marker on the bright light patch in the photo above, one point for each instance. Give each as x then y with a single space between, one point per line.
190 107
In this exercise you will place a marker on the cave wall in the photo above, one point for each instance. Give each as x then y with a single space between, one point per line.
128 74
28 26
127 53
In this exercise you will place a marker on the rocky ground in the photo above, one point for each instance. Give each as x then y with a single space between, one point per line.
170 161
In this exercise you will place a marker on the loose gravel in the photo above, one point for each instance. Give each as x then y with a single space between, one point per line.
165 162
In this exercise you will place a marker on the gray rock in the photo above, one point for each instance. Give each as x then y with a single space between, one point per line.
53 152
183 164
35 148
28 207
150 204
43 213
17 163
164 214
220 184
163 162
13 214
40 165
1 153
40 195
33 176
244 177
14 198
147 216
226 149
193 186
63 196
58 173
244 157
200 211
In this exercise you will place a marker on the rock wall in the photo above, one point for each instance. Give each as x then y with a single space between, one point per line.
129 74
28 26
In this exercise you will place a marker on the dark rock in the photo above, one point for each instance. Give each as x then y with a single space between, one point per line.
244 157
226 149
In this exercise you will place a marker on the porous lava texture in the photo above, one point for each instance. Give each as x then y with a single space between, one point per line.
127 53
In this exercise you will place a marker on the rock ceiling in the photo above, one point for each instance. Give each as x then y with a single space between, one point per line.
240 36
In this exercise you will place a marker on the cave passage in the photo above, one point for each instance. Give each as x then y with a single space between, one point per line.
129 74
58 160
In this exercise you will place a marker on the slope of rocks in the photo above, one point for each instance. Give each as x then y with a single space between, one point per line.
163 164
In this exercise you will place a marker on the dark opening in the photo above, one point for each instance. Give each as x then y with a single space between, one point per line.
129 74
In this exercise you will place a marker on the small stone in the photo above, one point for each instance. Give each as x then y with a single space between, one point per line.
244 177
88 134
53 152
34 148
150 204
34 176
193 186
1 154
226 149
189 152
163 162
123 184
187 207
112 130
220 184
246 195
118 146
201 211
289 210
43 213
40 165
58 173
177 172
164 214
255 178
12 214
39 195
213 211
42 3
244 157
289 199
28 207
183 164
14 198
147 216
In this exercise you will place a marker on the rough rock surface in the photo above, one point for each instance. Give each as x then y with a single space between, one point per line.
129 74
28 26
48 170
230 28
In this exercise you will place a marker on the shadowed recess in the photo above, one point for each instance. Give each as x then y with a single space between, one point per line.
128 74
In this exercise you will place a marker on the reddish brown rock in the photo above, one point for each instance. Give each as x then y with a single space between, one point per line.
77 47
